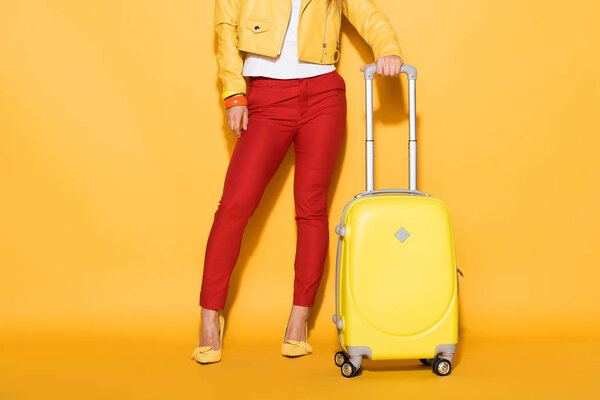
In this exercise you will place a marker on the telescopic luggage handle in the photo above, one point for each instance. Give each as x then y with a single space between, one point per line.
411 74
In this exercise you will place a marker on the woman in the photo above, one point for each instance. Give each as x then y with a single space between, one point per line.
295 95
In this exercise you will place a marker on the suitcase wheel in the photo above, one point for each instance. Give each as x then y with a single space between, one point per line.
441 366
340 358
349 370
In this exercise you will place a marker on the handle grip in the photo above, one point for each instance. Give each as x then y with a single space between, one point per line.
411 74
409 70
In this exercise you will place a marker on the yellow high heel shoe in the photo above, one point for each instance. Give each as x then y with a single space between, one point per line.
295 348
205 354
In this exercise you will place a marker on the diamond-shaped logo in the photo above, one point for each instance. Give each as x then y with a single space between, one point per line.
402 234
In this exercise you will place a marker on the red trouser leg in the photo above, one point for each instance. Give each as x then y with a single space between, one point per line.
256 156
316 147
311 112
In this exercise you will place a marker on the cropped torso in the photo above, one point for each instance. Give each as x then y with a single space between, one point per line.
286 65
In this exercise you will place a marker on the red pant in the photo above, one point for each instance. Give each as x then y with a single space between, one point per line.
311 113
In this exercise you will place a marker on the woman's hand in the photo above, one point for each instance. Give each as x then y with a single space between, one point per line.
236 116
387 65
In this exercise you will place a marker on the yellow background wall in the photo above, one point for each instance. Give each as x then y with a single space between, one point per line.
114 146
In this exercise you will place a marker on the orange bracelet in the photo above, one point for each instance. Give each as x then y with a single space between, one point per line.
236 101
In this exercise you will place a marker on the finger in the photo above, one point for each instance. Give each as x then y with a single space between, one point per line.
230 120
245 118
236 123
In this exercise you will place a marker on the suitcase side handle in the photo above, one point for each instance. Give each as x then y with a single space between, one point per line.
411 74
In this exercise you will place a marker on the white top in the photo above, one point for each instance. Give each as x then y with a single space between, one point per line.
286 65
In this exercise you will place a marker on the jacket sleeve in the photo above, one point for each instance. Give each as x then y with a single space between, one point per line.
373 26
229 58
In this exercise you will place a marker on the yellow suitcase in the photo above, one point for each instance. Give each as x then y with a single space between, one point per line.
396 274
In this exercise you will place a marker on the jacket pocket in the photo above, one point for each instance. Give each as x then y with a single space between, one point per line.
258 25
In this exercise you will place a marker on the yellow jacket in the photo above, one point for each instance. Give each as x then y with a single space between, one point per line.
258 26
